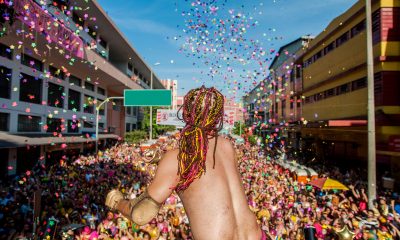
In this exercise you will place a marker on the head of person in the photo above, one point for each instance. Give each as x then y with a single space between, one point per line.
202 112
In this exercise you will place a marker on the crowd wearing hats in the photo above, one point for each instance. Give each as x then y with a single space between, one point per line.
72 200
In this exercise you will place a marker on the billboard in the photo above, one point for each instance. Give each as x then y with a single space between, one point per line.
169 117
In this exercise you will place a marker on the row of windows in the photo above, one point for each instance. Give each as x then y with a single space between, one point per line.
36 64
28 123
31 91
336 43
130 127
339 90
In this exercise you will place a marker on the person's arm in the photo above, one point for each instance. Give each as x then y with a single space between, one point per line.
145 207
166 177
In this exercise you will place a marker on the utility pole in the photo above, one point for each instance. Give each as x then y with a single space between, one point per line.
151 108
371 109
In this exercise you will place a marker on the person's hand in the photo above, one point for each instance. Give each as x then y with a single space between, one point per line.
113 198
351 186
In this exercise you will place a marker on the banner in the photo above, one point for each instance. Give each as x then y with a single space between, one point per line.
169 117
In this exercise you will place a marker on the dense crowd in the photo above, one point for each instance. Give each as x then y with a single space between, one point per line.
73 192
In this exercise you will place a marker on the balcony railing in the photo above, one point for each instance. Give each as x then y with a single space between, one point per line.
31 13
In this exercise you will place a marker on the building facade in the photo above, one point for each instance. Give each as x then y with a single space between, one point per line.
335 87
56 66
173 86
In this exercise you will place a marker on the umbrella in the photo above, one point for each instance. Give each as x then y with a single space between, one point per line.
327 184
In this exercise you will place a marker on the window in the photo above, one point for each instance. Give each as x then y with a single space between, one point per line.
28 123
283 81
376 26
329 48
134 111
30 89
308 62
74 100
117 105
60 4
133 126
358 84
5 51
128 110
292 77
101 125
88 104
31 62
102 108
74 81
318 55
102 42
101 91
128 127
73 126
135 71
298 103
358 28
318 97
291 103
5 82
4 121
130 67
54 125
342 39
55 95
91 32
87 124
330 93
77 19
342 89
55 72
89 86
307 100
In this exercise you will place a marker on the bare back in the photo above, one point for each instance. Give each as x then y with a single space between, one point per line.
216 203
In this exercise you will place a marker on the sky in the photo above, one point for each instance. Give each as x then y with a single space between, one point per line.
158 28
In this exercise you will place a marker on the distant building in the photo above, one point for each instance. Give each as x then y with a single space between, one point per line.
52 78
173 86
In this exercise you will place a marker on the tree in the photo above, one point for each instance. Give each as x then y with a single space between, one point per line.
157 129
238 128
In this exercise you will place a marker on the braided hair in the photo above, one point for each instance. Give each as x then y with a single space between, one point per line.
203 112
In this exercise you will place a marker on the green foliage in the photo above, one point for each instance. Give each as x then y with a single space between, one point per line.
157 129
253 140
135 136
238 128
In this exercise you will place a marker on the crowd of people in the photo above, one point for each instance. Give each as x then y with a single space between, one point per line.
72 200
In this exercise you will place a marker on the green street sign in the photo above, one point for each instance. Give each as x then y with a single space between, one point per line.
147 97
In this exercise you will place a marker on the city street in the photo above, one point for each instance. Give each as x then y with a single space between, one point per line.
200 119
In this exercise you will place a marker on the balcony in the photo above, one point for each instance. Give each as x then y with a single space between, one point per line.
70 24
31 14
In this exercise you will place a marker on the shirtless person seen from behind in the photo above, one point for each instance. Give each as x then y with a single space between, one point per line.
212 195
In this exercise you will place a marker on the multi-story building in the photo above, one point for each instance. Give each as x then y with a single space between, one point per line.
335 87
173 86
284 88
233 113
275 103
57 63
